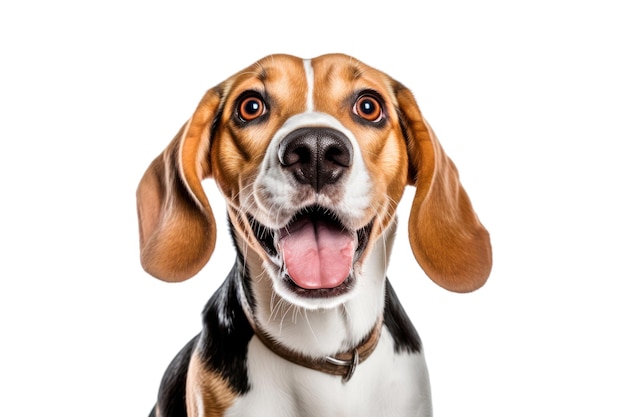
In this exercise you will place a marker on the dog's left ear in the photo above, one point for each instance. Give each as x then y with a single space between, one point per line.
176 224
448 240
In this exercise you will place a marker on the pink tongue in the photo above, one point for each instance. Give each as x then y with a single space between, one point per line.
317 254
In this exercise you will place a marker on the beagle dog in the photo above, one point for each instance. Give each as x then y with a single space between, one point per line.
312 157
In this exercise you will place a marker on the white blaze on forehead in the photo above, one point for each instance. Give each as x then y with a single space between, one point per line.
308 70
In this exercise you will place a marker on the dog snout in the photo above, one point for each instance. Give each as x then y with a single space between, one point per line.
316 156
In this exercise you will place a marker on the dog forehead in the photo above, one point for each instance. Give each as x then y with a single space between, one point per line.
337 68
337 76
318 83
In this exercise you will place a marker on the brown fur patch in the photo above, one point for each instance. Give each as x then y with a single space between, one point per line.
237 152
208 395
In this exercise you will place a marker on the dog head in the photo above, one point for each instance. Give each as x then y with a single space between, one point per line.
312 157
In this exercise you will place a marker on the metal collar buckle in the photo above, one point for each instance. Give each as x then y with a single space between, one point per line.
351 364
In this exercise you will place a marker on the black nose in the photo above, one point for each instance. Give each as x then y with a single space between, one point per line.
316 156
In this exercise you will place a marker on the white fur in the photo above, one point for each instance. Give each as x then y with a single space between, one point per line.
308 70
387 384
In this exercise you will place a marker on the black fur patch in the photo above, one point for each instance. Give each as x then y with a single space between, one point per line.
405 337
222 347
223 344
171 401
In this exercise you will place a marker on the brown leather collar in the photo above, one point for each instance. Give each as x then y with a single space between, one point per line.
342 364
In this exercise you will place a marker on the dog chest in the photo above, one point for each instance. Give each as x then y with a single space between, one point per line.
386 384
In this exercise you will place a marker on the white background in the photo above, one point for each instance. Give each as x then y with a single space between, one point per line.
528 98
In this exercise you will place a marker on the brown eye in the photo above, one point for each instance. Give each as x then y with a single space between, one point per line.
368 108
251 108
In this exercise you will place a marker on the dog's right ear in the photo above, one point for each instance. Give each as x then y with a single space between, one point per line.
176 224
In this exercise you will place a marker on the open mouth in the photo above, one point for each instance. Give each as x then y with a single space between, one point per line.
315 252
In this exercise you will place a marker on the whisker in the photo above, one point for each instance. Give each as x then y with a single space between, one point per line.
280 329
308 322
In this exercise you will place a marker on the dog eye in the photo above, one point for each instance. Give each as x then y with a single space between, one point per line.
368 108
251 108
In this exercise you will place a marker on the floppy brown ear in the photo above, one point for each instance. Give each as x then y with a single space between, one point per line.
176 223
447 239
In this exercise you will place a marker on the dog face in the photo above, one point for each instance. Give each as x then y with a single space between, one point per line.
312 157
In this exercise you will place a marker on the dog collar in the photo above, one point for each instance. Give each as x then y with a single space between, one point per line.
342 364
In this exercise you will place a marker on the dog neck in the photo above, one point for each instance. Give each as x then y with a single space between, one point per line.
342 364
320 332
